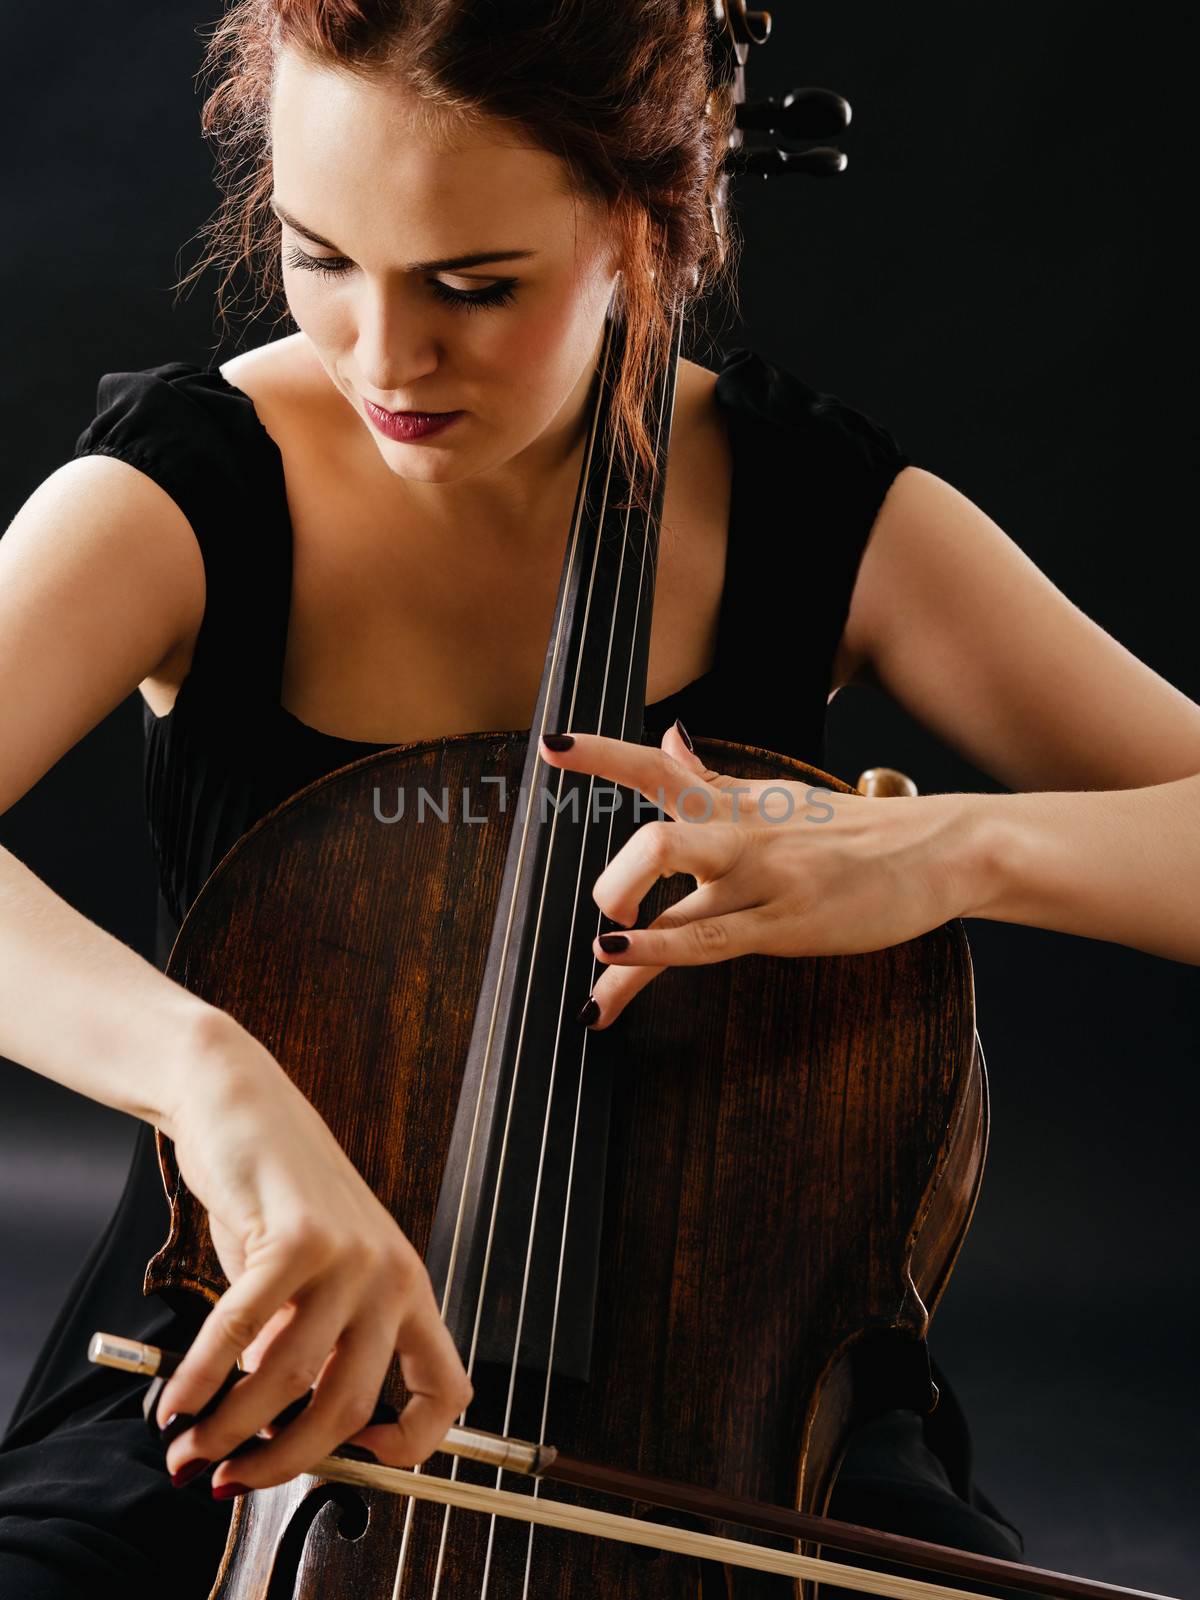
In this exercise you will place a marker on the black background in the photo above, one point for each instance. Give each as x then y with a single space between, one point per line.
1002 277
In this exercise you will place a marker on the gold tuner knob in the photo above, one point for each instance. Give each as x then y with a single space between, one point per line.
880 783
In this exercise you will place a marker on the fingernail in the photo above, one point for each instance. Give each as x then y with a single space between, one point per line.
226 1491
178 1422
613 943
188 1471
557 741
683 733
588 1012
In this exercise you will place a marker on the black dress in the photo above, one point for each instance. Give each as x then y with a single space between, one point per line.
84 1496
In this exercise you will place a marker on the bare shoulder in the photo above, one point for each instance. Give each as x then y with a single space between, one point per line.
277 366
100 576
695 520
697 390
700 442
291 391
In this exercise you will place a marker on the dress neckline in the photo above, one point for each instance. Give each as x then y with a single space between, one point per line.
367 746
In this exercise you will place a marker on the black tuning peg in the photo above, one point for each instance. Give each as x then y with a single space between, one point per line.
804 114
822 161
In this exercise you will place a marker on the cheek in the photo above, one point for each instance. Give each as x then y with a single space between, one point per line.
541 350
318 312
525 355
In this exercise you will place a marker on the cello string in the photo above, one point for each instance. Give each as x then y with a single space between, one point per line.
589 592
538 1180
492 1022
569 944
569 717
557 647
554 1072
676 331
562 999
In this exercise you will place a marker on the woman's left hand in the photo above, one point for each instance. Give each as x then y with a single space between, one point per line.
782 869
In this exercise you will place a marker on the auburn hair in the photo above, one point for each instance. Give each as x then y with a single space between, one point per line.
620 90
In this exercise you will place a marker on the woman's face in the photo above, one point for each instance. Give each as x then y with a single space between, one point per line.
511 343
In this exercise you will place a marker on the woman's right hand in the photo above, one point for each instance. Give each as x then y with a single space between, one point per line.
323 1285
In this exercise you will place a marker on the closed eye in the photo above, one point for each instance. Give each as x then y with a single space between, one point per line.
500 293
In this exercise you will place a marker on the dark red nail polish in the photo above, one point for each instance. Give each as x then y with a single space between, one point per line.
188 1471
226 1491
589 1012
683 733
613 943
178 1422
557 741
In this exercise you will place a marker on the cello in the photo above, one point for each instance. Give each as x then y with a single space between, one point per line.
585 1205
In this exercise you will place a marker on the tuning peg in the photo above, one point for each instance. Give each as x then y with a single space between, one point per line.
749 27
822 161
804 114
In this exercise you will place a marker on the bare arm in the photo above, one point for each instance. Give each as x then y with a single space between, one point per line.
955 623
84 1009
1121 864
101 578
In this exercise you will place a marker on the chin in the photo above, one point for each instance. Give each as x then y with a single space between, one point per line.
402 461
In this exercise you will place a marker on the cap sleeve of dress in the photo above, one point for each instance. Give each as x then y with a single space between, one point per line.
201 441
810 474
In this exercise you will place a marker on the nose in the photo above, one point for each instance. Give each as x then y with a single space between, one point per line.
394 347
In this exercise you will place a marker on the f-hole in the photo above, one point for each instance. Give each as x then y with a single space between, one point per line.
352 1524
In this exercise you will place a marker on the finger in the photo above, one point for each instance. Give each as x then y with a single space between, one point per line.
617 986
344 1397
677 743
660 850
234 1322
287 1370
437 1383
752 800
697 943
252 1356
671 785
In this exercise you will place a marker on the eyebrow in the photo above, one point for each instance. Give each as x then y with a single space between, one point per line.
477 258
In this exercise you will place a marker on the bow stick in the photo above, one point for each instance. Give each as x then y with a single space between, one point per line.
542 1461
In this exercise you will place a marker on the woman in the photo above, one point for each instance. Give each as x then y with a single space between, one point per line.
278 567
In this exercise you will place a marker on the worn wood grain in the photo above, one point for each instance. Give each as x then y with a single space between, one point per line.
795 1152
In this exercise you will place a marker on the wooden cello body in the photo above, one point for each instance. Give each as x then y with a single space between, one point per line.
793 1152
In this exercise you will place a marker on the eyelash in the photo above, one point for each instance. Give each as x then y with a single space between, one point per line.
499 294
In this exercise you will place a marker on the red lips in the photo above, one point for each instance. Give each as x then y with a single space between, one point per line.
410 425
